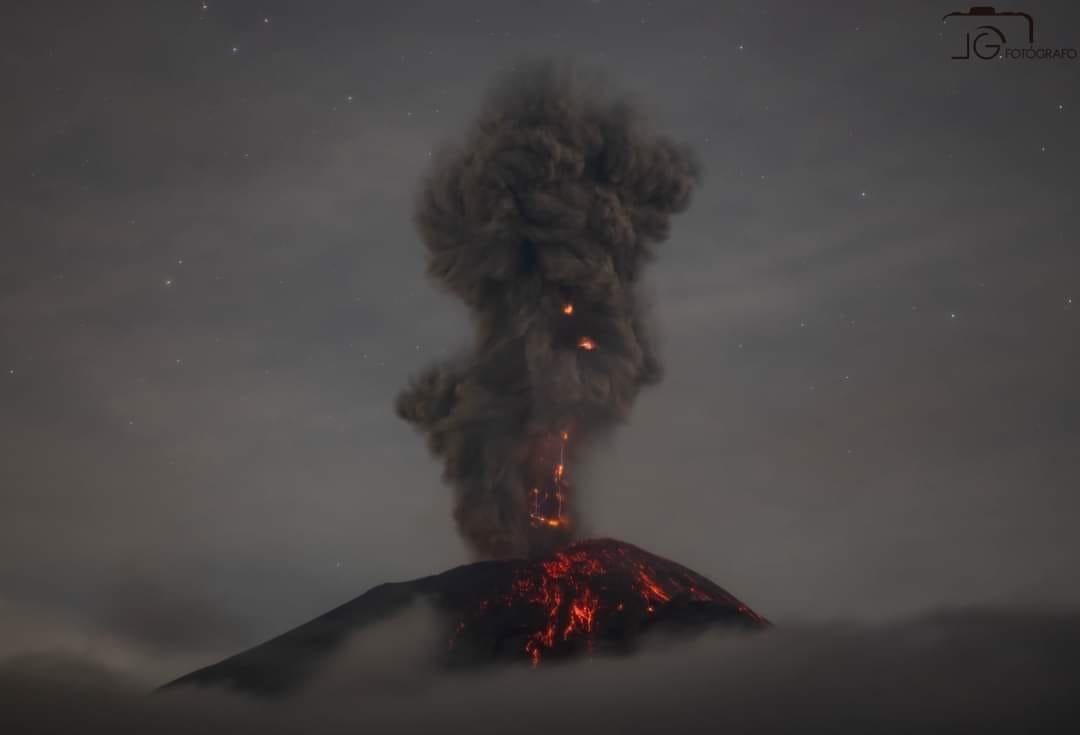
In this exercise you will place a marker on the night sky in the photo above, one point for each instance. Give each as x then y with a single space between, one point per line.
211 290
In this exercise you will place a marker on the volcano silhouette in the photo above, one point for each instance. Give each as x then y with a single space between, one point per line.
592 597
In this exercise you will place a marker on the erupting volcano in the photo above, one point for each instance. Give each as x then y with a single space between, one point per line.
541 223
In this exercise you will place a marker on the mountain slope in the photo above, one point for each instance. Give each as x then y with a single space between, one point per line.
598 596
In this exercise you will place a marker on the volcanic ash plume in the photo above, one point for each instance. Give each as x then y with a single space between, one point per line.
541 222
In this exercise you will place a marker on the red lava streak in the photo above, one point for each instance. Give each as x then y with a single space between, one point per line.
600 591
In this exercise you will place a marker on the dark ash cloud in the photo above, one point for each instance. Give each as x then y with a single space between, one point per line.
542 223
961 671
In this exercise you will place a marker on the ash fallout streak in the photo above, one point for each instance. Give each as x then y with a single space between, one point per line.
542 222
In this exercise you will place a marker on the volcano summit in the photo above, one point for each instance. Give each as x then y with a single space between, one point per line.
599 596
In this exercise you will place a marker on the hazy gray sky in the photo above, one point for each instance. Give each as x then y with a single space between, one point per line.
211 290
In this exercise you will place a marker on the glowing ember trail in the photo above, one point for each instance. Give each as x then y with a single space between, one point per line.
587 344
548 501
549 492
599 593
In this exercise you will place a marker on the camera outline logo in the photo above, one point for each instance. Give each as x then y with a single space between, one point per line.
989 37
988 41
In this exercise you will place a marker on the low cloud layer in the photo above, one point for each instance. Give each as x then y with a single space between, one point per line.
46 638
991 671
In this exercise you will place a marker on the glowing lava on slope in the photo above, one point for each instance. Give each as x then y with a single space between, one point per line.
597 594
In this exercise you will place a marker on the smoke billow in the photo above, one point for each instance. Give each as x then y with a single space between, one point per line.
541 222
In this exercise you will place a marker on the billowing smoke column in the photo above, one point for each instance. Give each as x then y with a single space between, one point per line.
541 222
